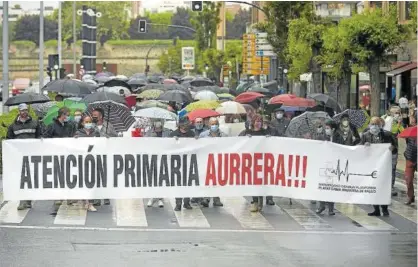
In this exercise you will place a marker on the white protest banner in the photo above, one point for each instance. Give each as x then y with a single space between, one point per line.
121 168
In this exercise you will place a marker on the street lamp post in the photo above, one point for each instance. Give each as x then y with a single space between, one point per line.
41 46
5 91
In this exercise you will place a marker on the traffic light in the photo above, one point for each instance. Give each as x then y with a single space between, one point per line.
197 6
142 26
53 60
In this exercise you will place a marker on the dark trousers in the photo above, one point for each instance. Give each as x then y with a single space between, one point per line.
255 199
409 179
377 208
185 200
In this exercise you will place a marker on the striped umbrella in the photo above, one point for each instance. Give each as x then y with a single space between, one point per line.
116 114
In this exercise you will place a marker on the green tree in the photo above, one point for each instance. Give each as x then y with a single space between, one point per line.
205 23
304 46
112 23
170 62
370 36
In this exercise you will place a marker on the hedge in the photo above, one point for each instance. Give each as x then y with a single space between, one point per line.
5 121
24 44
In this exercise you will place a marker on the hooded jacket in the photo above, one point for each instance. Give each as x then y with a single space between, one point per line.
60 130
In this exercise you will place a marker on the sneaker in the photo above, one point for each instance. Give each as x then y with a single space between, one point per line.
385 213
394 194
218 203
106 201
205 203
160 203
97 202
90 207
270 202
374 213
187 206
331 213
254 207
178 207
150 202
29 204
22 206
319 210
260 203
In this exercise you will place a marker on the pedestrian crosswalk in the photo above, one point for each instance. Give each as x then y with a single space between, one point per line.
284 216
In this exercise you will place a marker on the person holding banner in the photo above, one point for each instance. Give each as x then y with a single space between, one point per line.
333 135
106 130
24 127
376 135
256 129
199 126
183 131
87 130
212 132
157 130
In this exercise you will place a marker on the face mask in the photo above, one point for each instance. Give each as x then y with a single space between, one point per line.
67 119
236 120
95 119
345 123
214 128
258 125
88 126
279 116
199 126
328 131
374 129
319 130
77 118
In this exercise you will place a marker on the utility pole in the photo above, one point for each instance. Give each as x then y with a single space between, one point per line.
5 92
59 34
41 46
74 40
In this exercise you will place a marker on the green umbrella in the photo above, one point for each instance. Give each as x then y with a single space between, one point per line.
70 104
151 94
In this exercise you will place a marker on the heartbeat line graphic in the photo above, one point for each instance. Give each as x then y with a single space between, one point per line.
338 172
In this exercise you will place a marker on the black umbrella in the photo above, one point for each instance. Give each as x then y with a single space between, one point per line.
136 82
69 87
327 100
28 98
178 96
139 76
102 79
116 114
155 79
153 86
174 87
104 96
201 82
115 82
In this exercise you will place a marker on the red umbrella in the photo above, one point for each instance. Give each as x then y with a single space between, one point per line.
292 101
202 113
247 97
169 81
410 132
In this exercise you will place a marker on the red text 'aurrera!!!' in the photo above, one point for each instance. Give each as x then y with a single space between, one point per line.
256 169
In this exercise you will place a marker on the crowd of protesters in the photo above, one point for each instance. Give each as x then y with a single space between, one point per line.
343 133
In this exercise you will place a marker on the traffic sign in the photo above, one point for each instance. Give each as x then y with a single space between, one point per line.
261 35
262 53
187 58
264 47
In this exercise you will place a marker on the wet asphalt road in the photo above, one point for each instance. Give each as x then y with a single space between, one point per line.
30 248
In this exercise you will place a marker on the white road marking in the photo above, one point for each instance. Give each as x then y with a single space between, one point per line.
10 214
121 229
130 212
304 216
360 216
190 218
239 208
408 212
71 214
